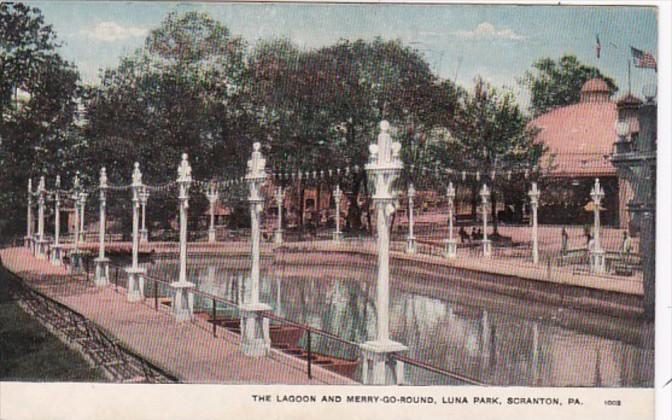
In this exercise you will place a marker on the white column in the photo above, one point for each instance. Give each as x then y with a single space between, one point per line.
596 253
29 217
534 204
136 275
76 262
485 197
338 235
384 167
255 339
144 196
279 199
40 209
56 246
410 240
102 277
451 243
183 294
213 196
82 226
41 244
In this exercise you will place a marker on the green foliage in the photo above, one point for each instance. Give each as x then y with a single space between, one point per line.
182 93
490 133
321 108
195 88
38 106
555 84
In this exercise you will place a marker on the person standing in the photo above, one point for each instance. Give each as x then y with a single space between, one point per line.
626 246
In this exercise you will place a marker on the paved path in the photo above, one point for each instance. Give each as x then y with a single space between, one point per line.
515 268
188 350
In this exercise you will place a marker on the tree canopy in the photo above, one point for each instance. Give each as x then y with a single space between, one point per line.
39 94
195 87
558 83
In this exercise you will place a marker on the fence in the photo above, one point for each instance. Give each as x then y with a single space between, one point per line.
118 362
306 335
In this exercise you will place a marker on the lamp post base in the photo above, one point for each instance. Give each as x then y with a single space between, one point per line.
27 241
597 261
411 245
182 302
277 236
487 248
451 248
337 236
254 330
212 236
379 367
144 236
102 277
135 291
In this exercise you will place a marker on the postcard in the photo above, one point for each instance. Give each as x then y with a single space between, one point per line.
295 210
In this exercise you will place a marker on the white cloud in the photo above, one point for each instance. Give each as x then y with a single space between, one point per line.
112 31
488 31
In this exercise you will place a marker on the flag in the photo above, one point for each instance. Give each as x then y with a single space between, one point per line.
598 46
643 59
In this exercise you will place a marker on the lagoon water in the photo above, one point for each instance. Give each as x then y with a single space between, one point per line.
494 339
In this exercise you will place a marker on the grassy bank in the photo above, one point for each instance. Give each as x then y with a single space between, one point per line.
29 352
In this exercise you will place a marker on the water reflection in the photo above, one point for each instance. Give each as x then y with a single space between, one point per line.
465 331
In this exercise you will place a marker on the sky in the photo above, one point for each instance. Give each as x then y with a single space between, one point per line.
461 42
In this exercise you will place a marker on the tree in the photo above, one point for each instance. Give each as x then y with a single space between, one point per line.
555 84
184 92
39 93
493 137
324 105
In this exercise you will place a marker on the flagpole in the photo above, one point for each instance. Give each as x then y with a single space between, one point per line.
629 84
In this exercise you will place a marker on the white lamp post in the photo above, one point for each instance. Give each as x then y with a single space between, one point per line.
279 200
56 246
213 196
338 194
136 275
144 196
76 256
451 243
27 241
183 294
534 203
487 245
596 253
384 167
82 206
254 328
410 240
41 247
102 277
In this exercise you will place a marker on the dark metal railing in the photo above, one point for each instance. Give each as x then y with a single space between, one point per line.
307 329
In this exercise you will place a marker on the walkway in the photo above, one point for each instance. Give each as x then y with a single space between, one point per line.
187 350
467 259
